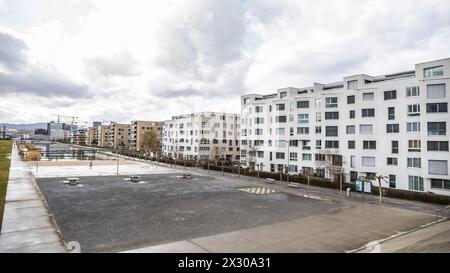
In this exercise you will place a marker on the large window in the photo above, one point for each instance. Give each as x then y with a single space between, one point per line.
433 71
303 104
368 161
332 144
280 119
370 112
414 110
258 109
303 118
391 113
390 95
437 128
438 167
351 99
302 130
279 155
280 131
437 107
413 127
351 129
414 145
392 181
369 144
259 120
351 144
440 184
331 115
259 132
415 183
366 129
392 161
280 107
352 114
368 96
394 146
412 91
436 91
331 102
331 131
414 162
392 128
437 146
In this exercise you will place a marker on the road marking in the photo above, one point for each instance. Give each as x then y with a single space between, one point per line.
259 190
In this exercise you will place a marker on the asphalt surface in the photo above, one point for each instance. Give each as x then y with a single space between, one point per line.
108 213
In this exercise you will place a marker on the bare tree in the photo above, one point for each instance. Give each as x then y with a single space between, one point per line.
150 141
379 178
332 162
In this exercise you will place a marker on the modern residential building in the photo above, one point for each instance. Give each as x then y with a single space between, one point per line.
118 135
203 136
104 139
59 131
141 129
394 125
93 136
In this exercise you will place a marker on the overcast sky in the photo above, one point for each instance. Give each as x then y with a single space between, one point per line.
124 60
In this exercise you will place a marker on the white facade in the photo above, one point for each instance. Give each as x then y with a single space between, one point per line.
207 135
361 119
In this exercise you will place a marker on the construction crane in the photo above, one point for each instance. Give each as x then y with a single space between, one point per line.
73 118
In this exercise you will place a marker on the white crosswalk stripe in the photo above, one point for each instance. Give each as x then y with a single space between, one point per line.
258 190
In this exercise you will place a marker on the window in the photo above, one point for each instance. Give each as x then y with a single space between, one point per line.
318 129
352 161
279 155
331 115
391 113
351 129
440 184
370 112
436 91
318 116
318 144
259 120
368 161
390 95
332 144
414 110
412 91
351 144
438 167
280 131
303 118
260 154
369 145
437 128
331 102
280 119
352 84
307 157
331 131
392 161
302 130
392 181
433 71
366 129
258 142
258 109
303 104
280 107
394 146
415 183
368 96
293 156
414 162
392 128
353 176
352 114
351 99
414 145
283 94
437 107
437 146
413 127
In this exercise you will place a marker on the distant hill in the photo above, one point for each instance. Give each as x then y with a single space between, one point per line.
30 126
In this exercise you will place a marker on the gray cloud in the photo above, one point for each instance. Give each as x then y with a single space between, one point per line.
24 77
121 64
178 93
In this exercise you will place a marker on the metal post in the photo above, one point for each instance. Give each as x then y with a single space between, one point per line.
118 159
37 165
340 184
185 164
208 166
222 169
308 181
288 157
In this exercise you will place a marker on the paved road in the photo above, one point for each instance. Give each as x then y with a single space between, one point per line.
28 225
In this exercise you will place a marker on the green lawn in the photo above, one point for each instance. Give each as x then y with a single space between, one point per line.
5 149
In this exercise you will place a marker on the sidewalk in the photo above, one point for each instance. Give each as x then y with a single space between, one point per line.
28 225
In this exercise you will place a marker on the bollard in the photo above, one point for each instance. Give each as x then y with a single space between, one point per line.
348 192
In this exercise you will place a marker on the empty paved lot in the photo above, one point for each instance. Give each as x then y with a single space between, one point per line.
110 214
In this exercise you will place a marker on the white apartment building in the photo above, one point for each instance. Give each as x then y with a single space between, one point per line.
393 125
203 136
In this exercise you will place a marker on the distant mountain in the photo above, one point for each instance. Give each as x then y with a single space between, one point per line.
30 126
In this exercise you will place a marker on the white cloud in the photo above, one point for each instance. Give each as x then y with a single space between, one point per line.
155 59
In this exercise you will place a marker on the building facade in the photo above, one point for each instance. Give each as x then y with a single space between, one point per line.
93 136
104 139
140 130
393 125
203 136
118 135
